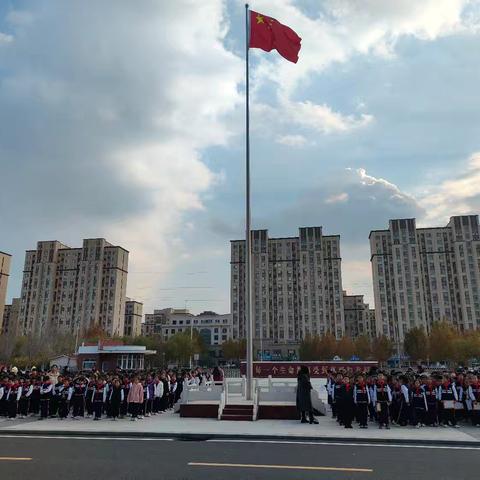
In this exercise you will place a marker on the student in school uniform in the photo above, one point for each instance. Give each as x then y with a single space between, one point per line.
35 396
458 381
382 397
447 395
124 407
166 391
78 398
90 388
173 391
431 415
13 396
157 395
151 396
64 399
372 414
115 398
404 402
419 407
98 399
46 393
135 398
474 397
57 388
361 397
336 401
24 402
347 403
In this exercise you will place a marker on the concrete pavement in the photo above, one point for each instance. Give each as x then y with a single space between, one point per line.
169 424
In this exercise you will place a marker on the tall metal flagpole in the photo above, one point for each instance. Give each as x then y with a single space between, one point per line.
248 249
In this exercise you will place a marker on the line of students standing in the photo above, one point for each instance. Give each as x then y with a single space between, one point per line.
401 400
95 395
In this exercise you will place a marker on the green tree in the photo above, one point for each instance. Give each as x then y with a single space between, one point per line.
180 347
382 348
363 347
415 344
234 349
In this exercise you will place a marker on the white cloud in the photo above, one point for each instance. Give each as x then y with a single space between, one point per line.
120 111
4 38
459 195
292 140
337 198
323 119
348 27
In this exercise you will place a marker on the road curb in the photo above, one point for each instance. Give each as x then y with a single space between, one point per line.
202 437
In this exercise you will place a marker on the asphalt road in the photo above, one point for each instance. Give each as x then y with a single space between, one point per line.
81 458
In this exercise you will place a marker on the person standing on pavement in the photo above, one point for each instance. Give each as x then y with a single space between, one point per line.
135 398
347 404
304 399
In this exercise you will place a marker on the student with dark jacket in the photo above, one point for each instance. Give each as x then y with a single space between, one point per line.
115 397
304 400
347 403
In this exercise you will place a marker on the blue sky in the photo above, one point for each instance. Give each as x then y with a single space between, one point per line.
126 120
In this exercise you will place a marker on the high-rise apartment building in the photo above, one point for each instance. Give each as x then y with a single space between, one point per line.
297 287
423 275
133 318
74 289
10 318
5 259
359 318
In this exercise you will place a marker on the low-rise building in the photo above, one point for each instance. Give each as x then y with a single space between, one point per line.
109 355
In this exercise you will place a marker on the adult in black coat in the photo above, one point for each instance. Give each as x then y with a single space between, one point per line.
304 400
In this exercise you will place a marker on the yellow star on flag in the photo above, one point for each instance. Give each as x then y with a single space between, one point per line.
259 19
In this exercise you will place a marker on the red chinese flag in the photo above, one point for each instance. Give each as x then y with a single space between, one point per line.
269 34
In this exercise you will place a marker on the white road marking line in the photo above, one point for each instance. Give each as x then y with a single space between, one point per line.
67 437
15 459
390 445
281 467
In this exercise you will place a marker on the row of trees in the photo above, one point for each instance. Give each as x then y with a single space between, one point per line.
32 350
327 346
442 344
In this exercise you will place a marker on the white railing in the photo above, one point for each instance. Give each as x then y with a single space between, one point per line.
198 393
221 406
255 400
236 387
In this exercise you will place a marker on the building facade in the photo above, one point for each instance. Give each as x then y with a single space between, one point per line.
359 317
297 287
10 318
5 260
424 275
214 328
74 289
133 318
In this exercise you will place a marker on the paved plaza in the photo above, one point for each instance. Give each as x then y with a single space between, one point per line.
171 424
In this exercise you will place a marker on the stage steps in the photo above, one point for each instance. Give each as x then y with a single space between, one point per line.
238 413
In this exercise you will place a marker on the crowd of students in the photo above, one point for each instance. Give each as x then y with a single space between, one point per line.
406 398
94 394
